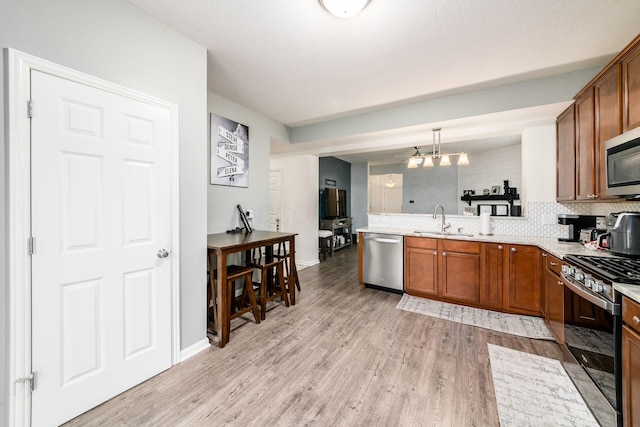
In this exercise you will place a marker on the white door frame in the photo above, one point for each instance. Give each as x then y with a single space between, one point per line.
19 66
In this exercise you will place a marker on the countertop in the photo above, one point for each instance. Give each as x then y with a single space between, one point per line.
550 245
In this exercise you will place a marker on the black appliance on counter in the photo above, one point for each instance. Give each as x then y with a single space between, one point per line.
623 234
575 223
593 328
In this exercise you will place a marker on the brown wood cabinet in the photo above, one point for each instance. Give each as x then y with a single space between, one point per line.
553 297
460 271
585 147
421 266
566 156
608 122
631 87
525 280
488 275
630 362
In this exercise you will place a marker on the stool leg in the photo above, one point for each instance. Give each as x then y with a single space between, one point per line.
248 284
283 288
263 295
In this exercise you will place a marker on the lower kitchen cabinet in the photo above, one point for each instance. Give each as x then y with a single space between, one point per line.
630 363
421 266
524 280
487 275
460 271
553 297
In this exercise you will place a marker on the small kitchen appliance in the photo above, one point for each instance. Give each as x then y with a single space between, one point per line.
623 234
575 223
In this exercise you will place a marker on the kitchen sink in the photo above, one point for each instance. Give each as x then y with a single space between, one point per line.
443 233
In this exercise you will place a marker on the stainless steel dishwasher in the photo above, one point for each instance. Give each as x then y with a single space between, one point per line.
383 261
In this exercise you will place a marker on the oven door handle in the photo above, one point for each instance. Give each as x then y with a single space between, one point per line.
606 305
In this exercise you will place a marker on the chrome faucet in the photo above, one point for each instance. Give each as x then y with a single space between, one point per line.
444 220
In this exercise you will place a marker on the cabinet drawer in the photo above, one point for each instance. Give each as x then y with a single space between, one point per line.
554 264
631 313
458 246
421 242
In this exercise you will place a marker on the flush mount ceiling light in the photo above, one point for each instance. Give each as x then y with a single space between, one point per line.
344 8
427 160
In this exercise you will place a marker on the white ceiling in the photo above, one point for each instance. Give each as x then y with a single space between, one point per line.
294 62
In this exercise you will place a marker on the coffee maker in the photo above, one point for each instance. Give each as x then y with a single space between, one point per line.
575 223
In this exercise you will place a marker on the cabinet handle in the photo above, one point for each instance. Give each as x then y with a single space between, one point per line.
513 249
500 247
435 253
552 263
444 254
560 283
544 255
636 320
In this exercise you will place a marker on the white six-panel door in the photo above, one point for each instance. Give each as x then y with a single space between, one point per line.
101 292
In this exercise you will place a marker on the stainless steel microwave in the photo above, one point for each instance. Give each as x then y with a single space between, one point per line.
623 164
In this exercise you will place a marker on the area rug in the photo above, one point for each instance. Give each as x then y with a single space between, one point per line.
514 324
533 390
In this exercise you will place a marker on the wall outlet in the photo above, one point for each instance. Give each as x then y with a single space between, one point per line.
249 214
548 219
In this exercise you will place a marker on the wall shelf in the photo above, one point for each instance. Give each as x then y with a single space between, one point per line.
504 197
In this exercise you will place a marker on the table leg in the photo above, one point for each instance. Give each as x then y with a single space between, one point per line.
223 315
292 271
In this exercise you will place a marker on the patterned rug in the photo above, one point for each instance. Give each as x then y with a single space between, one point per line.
514 324
533 390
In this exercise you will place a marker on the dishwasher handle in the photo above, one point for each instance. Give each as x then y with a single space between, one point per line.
383 240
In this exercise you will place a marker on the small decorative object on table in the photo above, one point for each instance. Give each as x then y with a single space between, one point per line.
495 189
486 191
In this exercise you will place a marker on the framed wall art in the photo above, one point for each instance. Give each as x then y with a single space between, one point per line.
229 152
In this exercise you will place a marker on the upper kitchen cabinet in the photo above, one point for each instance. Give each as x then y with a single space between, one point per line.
585 149
608 122
566 156
631 86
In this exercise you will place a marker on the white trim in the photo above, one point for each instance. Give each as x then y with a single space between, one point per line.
301 265
194 349
19 66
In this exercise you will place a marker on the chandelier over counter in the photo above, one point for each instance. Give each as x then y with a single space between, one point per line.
426 160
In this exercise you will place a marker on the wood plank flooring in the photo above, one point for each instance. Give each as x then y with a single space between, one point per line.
342 356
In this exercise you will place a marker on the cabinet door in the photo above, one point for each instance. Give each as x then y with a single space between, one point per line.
631 89
566 156
524 279
630 376
554 312
493 276
461 272
421 266
585 146
608 120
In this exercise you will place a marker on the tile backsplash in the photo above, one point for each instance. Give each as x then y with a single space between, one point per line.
540 219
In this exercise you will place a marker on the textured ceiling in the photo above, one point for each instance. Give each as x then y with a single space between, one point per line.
297 64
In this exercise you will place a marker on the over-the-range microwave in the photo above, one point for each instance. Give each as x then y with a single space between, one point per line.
623 164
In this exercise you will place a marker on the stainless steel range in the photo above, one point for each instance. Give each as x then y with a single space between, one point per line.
593 327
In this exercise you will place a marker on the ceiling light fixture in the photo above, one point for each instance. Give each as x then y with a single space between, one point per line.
344 8
427 160
390 183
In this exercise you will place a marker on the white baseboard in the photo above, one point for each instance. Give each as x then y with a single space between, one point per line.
194 349
301 265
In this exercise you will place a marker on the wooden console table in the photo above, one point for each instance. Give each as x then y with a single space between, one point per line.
223 244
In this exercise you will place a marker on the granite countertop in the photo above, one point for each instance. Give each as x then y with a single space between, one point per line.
547 244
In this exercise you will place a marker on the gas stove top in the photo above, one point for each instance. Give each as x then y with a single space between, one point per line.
613 269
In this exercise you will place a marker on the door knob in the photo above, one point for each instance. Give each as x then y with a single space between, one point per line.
513 249
163 253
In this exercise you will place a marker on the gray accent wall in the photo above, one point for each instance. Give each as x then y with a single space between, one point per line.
424 188
116 41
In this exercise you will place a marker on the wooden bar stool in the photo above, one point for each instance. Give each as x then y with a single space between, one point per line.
235 308
325 240
282 252
272 283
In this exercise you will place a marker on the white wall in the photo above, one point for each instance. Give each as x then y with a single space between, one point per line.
116 41
359 194
539 164
300 203
222 200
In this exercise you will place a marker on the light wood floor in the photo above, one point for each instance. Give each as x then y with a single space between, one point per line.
343 356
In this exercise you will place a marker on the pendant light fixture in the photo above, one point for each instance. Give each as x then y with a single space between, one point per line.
427 160
344 8
390 183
